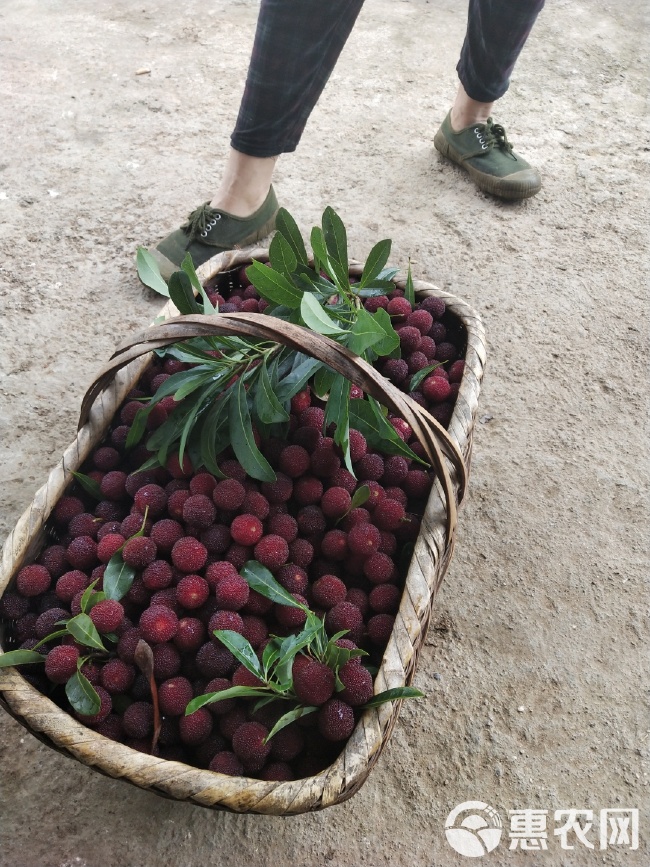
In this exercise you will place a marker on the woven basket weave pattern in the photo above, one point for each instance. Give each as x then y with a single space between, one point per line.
343 778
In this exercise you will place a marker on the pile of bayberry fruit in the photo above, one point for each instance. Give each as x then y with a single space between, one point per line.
223 582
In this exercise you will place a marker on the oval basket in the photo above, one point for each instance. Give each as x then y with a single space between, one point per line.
450 453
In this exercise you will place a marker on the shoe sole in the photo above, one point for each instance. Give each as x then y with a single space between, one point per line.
504 189
167 267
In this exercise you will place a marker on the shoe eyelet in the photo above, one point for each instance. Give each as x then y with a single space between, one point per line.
476 130
204 234
216 217
212 224
484 147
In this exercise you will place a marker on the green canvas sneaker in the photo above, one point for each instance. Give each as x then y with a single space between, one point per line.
484 151
209 231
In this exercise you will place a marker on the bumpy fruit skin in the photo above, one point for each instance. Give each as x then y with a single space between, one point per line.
248 745
272 551
117 676
279 491
189 555
232 593
370 467
192 591
229 495
152 498
379 628
227 763
195 728
420 319
357 681
435 306
328 591
158 575
199 511
82 553
158 623
313 682
138 719
139 552
399 309
33 580
378 568
290 617
109 545
61 663
190 635
294 461
364 539
335 503
246 529
345 616
107 615
225 620
384 598
336 720
436 388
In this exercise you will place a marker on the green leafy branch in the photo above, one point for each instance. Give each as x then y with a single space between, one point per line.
236 385
274 669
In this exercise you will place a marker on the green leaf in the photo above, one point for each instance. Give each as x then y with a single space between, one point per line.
118 577
336 242
188 267
59 633
365 332
137 429
241 437
20 657
392 695
267 406
270 655
417 378
286 226
260 579
337 411
409 292
315 317
298 377
359 497
149 272
232 692
84 631
214 437
390 343
366 416
323 381
273 286
89 485
241 649
199 404
376 260
182 294
82 695
288 718
86 595
281 256
317 241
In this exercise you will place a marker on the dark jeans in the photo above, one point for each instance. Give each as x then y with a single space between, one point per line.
298 42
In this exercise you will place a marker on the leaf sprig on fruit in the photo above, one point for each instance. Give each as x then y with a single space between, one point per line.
237 387
306 668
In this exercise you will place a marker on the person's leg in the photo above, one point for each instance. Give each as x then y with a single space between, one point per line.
496 33
297 44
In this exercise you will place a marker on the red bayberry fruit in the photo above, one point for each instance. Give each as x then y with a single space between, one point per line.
33 580
313 682
158 623
107 615
272 551
336 718
189 555
61 663
246 530
192 591
139 552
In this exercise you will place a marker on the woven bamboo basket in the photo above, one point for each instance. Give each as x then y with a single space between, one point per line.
449 452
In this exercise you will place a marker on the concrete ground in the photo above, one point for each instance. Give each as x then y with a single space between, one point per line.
534 667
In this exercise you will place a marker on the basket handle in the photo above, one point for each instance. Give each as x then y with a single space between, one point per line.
434 438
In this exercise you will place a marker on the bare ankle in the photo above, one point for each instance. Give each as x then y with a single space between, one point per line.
466 111
245 184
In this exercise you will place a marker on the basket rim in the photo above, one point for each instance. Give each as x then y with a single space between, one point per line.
348 772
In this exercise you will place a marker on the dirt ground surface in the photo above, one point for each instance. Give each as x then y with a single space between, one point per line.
534 668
